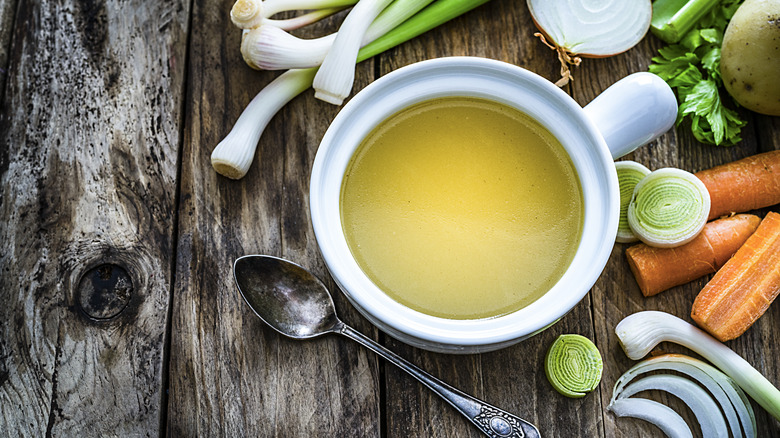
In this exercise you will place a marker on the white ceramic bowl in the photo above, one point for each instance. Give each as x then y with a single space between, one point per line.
632 112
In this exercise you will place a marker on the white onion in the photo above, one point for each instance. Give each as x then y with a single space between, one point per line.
590 28
704 408
733 401
669 421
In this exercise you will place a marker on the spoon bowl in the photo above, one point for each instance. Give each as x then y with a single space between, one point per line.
285 296
297 304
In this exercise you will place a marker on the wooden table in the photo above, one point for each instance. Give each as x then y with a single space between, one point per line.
119 315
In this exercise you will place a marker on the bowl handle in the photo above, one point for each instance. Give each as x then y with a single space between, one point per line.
633 111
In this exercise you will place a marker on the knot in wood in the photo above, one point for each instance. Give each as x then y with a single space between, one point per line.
104 291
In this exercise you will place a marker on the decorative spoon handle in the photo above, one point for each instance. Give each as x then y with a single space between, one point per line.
492 421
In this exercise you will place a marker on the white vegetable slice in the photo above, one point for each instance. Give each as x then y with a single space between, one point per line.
669 421
669 208
641 332
590 28
733 401
703 406
629 174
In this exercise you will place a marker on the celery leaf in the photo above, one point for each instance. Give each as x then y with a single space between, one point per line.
692 69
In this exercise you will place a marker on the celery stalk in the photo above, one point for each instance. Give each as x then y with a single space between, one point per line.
674 18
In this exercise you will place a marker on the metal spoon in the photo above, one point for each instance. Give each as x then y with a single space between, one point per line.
296 304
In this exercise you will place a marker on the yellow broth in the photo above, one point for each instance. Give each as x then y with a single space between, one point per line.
462 208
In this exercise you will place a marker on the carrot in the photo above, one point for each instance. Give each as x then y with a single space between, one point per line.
742 290
743 185
659 269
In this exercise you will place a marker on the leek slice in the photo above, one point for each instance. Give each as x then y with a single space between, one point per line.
629 174
573 365
669 208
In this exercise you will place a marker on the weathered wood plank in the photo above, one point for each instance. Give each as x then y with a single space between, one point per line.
513 378
89 132
7 15
231 375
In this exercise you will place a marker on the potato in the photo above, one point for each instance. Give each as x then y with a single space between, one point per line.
750 56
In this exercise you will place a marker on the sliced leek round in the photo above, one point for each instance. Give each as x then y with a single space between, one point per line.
573 365
629 174
669 208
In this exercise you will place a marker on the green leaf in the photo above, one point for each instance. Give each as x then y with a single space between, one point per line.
711 63
713 36
711 121
674 60
692 69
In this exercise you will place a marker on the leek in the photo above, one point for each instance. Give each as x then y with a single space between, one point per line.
629 174
668 208
641 332
573 365
233 156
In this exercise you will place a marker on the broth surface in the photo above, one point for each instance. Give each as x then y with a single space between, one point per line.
462 208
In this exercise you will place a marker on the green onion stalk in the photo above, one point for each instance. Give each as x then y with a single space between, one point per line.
233 156
641 332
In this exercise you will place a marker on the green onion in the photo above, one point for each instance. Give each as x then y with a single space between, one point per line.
641 332
573 365
270 48
669 208
672 19
629 174
248 14
233 156
333 81
302 20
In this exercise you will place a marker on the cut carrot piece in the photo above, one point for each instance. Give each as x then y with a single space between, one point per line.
659 269
743 185
742 290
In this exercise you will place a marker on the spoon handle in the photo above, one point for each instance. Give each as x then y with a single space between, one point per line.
492 421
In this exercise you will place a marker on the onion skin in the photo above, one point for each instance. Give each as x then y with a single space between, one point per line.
589 30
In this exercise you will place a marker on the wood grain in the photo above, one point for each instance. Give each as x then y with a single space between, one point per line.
230 374
7 15
120 316
90 135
